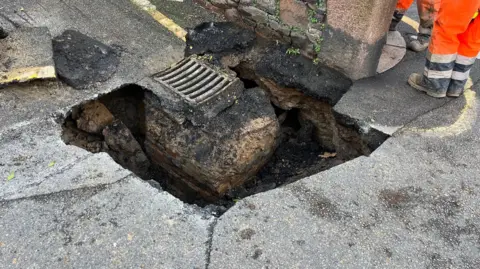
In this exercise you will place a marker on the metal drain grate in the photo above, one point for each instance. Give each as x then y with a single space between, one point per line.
194 80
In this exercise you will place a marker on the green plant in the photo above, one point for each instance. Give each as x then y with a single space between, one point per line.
312 16
277 9
295 29
317 47
293 51
321 3
316 61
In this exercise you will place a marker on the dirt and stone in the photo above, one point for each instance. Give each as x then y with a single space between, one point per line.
223 149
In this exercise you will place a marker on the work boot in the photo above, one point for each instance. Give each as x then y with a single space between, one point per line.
455 92
397 17
420 42
419 82
3 33
456 88
459 81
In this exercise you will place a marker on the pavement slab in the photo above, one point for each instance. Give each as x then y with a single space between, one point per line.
414 203
127 224
374 100
42 163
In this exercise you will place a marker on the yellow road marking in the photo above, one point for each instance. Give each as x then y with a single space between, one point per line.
411 22
465 120
27 73
160 18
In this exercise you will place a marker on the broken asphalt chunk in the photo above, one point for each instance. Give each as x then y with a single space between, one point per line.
82 61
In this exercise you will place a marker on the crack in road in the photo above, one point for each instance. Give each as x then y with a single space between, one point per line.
209 243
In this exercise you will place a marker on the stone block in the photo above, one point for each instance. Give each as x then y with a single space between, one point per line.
245 2
299 39
269 6
94 116
219 3
355 35
124 148
294 13
308 50
224 4
313 34
232 14
212 7
265 31
259 16
281 28
232 3
211 158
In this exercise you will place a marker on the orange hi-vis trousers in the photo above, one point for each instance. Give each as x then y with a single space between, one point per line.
427 10
454 45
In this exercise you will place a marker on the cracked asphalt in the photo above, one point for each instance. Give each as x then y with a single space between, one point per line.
414 203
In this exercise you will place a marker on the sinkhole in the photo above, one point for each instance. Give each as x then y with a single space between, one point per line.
229 121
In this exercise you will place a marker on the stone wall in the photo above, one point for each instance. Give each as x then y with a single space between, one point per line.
347 35
297 23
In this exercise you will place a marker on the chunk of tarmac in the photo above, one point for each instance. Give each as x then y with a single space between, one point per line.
82 61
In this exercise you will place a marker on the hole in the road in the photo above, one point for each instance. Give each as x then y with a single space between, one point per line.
244 139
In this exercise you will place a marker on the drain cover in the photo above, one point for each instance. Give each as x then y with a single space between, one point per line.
194 80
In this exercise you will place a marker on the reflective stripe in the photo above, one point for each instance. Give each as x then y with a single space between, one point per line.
460 75
441 58
438 84
437 74
439 66
462 68
465 60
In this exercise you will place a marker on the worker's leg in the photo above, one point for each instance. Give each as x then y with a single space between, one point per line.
467 53
402 7
453 19
427 11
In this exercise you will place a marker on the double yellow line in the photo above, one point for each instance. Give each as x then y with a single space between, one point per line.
160 18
